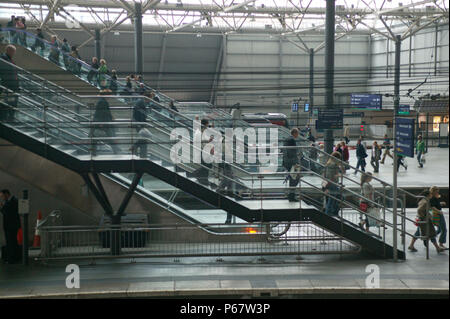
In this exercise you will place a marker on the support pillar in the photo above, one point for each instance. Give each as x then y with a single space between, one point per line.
311 81
436 30
329 69
115 235
398 43
98 50
138 50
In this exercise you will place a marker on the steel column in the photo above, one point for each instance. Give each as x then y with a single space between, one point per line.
98 50
161 61
97 194
387 58
436 30
398 43
138 50
311 81
410 57
329 68
219 67
130 193
102 192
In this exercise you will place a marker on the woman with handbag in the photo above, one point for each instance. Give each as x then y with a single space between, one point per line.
345 156
366 204
425 223
333 170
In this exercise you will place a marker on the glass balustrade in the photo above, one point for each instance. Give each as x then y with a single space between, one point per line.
111 128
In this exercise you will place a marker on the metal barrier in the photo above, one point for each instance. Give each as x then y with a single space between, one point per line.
146 241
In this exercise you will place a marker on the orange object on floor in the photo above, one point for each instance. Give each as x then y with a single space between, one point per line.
20 237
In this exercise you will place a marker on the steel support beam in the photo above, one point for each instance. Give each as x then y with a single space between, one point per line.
398 42
297 45
50 13
102 192
281 10
436 30
224 10
130 193
162 60
410 57
217 72
98 50
148 6
311 80
387 58
138 49
434 20
329 68
82 25
97 194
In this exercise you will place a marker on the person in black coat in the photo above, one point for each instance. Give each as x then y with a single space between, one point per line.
11 225
93 72
10 80
38 41
103 114
113 82
53 55
11 25
290 158
139 111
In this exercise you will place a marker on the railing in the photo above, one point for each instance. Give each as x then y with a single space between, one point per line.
252 189
175 241
54 219
63 59
64 129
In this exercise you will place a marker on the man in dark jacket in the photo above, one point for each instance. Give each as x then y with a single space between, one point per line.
11 225
140 111
92 73
290 158
361 154
10 80
65 49
11 25
39 41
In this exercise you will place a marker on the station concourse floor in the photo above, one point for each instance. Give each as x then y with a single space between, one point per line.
247 276
274 276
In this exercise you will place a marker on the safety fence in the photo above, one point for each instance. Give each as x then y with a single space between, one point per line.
219 240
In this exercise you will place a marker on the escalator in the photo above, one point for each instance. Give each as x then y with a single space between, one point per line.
62 135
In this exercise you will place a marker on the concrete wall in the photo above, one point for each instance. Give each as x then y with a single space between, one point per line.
54 187
266 73
187 62
49 71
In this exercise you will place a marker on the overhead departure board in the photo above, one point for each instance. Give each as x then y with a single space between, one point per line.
366 101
